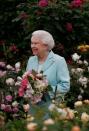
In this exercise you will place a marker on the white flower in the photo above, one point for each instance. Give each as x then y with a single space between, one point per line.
79 97
30 118
31 126
75 57
39 75
86 101
15 104
18 82
85 62
17 65
10 81
9 67
79 70
26 107
88 68
84 117
19 78
62 113
49 122
81 91
80 62
70 113
83 81
73 70
51 107
78 103
44 128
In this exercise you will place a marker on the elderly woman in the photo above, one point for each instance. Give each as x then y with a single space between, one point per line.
52 65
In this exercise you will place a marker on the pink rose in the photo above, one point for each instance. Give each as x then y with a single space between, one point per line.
21 92
2 64
3 106
15 109
8 98
8 108
76 3
43 3
24 83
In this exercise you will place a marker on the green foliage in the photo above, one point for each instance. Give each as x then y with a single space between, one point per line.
11 32
55 17
68 24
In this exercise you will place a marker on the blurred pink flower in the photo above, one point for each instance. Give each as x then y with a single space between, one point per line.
2 64
8 98
21 92
13 48
24 83
15 109
76 3
2 73
3 106
23 15
8 108
36 99
43 3
69 27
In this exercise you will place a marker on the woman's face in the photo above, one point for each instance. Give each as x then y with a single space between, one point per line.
38 48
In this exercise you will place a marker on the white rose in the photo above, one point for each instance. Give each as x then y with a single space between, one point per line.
10 81
17 83
85 62
88 68
62 113
84 117
86 101
51 107
19 78
17 65
80 62
9 67
78 103
49 122
44 128
79 97
30 118
31 126
73 70
70 113
83 80
26 107
75 57
79 70
15 104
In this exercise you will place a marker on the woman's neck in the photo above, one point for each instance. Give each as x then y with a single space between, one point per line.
42 58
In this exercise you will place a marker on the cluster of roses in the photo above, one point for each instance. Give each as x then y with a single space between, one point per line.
20 90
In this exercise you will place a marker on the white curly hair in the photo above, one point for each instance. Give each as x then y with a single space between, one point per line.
45 37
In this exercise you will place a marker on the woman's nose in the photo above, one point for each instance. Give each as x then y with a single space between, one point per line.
32 45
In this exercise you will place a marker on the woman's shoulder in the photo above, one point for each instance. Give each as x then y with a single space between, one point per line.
58 57
32 58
